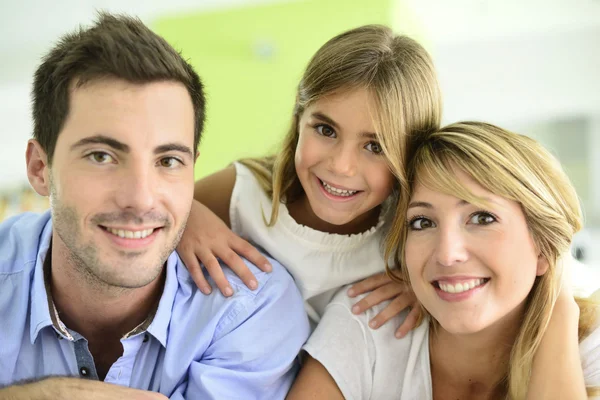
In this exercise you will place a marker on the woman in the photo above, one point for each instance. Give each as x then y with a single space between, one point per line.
486 216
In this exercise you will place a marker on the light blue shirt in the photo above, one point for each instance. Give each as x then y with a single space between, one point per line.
197 346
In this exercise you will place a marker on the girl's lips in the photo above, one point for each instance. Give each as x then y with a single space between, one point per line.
335 197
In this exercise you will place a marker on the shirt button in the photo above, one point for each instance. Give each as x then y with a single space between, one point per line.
146 338
84 371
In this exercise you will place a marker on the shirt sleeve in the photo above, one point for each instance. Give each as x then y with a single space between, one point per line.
254 351
338 331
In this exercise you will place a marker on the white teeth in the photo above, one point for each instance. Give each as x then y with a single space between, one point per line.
130 234
338 192
461 287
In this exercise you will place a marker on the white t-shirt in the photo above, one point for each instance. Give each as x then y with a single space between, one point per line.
373 364
319 262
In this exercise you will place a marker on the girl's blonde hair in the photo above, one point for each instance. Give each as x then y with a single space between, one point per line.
517 168
400 77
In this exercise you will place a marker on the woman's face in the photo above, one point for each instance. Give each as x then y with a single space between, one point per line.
470 267
338 159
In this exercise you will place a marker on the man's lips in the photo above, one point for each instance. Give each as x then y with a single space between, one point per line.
130 232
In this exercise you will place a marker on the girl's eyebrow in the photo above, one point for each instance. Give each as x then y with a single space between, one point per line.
325 118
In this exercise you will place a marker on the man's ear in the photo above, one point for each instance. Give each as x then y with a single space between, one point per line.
197 155
542 265
38 170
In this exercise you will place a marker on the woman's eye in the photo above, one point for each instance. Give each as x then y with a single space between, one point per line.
325 130
482 218
420 223
169 162
101 157
374 147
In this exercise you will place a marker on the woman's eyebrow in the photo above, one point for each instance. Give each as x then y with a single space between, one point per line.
423 204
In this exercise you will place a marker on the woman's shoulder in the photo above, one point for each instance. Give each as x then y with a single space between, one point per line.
589 351
364 361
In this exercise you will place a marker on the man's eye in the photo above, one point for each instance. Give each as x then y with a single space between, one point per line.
169 162
101 157
420 223
374 147
325 130
482 218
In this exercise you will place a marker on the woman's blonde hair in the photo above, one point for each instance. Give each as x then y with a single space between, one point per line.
398 73
517 168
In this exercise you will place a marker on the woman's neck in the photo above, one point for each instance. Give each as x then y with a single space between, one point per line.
301 211
473 365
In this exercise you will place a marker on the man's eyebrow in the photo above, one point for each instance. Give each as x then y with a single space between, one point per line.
102 139
325 118
164 148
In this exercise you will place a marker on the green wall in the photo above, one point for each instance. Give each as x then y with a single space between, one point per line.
251 60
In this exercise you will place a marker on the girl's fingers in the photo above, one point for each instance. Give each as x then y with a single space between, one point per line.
396 306
368 284
216 272
410 322
250 253
196 272
238 266
378 295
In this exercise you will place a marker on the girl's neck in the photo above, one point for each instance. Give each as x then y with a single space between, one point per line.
301 211
474 365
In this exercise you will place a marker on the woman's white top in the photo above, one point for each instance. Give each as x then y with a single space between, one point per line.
373 364
319 262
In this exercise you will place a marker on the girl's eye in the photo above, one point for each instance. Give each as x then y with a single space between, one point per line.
374 147
482 218
169 162
420 223
325 130
100 157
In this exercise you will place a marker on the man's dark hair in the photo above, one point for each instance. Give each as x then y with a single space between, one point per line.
116 46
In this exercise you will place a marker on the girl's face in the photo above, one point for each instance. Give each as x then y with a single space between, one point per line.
470 267
339 161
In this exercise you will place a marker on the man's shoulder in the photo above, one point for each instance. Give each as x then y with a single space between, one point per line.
276 297
20 239
276 285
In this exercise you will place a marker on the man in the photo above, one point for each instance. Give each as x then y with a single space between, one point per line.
93 289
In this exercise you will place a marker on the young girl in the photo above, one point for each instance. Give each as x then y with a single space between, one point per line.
478 236
319 205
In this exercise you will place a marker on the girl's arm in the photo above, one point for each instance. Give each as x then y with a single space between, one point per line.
314 382
557 372
207 236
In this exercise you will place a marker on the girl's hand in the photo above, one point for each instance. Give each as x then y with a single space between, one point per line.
383 288
205 238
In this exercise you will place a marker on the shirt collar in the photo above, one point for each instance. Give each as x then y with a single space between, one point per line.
41 302
40 313
160 324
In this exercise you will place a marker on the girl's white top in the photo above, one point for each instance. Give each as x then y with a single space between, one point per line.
319 262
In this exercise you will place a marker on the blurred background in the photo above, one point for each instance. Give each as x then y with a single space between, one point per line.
528 65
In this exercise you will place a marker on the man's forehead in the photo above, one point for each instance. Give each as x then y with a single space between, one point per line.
146 115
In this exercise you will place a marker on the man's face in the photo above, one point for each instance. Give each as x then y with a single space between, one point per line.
122 179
